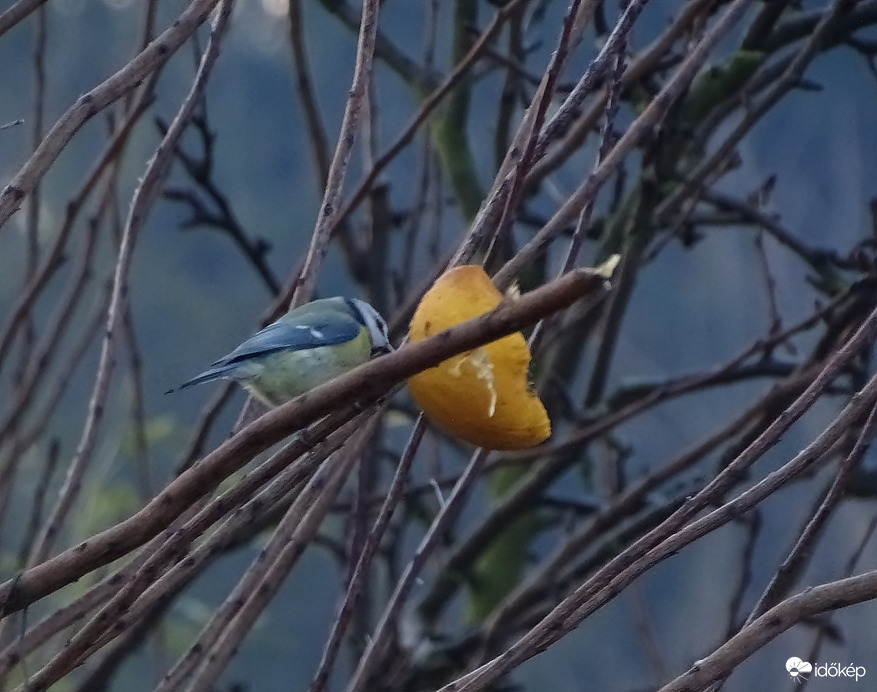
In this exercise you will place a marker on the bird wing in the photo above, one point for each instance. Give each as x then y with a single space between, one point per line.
282 336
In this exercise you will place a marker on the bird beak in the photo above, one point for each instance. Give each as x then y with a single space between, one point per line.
382 350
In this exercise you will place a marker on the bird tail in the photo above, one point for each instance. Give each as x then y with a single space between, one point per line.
216 373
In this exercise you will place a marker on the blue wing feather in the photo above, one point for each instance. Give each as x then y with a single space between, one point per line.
280 336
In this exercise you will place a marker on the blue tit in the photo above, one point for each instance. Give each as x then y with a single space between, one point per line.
308 346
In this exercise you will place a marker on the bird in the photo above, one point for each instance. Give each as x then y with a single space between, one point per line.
309 345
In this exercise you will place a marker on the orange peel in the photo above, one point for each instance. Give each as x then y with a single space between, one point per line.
482 396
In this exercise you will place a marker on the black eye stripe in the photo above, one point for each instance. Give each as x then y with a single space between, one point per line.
369 318
356 312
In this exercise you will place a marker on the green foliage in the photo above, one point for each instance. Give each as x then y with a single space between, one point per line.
104 504
501 564
719 83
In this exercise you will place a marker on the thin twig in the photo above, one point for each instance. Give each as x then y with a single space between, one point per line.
427 107
654 112
144 197
338 169
266 574
17 12
448 512
753 637
795 561
93 102
357 581
320 465
319 147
